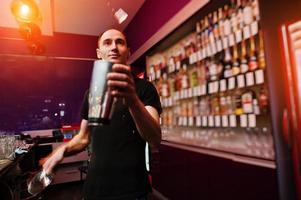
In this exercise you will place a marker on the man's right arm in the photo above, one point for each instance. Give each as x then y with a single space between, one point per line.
78 143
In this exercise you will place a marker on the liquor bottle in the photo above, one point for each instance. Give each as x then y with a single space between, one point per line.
247 98
159 84
243 60
152 74
193 78
171 81
184 112
204 107
238 103
210 28
177 113
261 55
227 23
178 80
213 69
247 12
231 104
184 77
170 118
206 33
190 112
253 62
220 23
239 15
171 64
178 60
165 87
202 73
235 62
164 119
163 66
157 70
256 107
215 105
255 9
198 36
263 99
196 110
182 51
223 103
232 14
227 64
215 26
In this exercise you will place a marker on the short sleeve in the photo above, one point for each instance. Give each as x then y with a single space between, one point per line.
85 106
150 97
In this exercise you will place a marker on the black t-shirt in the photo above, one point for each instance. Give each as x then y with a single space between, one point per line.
117 168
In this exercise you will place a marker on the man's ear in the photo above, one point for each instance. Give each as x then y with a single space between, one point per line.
98 53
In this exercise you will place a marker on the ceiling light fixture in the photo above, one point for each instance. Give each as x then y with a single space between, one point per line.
25 11
120 15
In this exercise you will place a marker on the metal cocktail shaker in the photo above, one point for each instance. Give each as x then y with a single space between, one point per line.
101 103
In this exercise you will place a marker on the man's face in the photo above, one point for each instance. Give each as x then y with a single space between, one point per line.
112 46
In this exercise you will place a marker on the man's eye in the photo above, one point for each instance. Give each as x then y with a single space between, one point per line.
106 43
120 42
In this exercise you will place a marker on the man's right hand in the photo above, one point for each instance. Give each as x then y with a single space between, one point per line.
53 159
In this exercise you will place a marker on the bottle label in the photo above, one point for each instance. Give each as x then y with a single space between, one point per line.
198 121
254 28
190 121
234 21
247 106
211 121
246 32
231 83
248 15
219 46
243 121
213 48
215 86
259 76
225 43
233 122
204 53
238 36
217 120
204 121
210 88
240 81
252 120
208 51
249 78
227 27
223 85
225 122
231 40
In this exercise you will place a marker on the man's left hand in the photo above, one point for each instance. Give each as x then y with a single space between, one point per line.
121 83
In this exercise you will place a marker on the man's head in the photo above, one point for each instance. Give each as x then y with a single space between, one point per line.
112 46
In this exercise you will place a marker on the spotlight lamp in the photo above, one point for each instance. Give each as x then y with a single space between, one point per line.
25 11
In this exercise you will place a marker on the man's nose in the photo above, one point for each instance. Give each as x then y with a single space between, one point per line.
113 45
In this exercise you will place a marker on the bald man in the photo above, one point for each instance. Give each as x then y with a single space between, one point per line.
117 168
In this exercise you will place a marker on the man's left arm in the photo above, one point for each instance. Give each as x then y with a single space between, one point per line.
146 119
